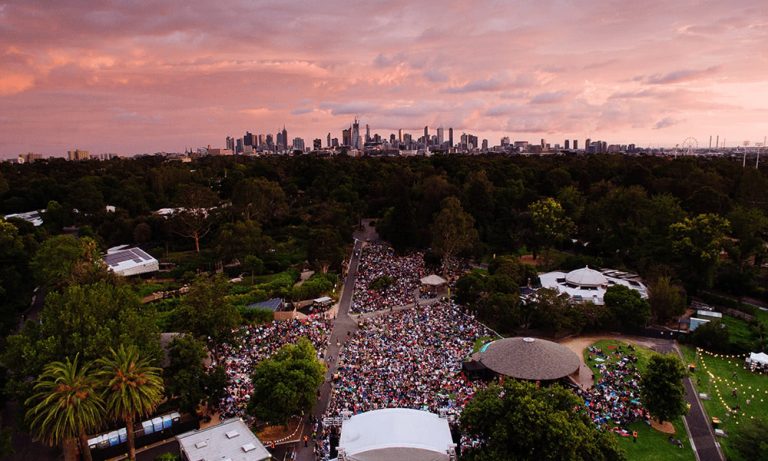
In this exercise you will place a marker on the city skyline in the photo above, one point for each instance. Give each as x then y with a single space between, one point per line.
128 78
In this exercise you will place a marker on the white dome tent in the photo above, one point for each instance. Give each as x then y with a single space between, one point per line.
396 434
589 285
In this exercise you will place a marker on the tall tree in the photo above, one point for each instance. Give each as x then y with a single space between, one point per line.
185 376
628 309
453 231
751 441
194 220
698 242
207 315
260 199
522 421
549 223
66 407
667 300
65 259
285 384
661 387
133 386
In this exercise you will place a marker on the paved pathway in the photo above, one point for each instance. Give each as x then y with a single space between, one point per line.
343 326
699 426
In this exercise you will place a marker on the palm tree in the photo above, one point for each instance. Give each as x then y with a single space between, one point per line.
66 407
132 388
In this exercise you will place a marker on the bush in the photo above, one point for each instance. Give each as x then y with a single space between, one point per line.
381 283
256 316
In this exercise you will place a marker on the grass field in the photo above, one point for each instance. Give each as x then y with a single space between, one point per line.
719 386
651 444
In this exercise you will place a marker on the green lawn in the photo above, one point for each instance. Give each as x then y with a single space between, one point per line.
651 444
719 386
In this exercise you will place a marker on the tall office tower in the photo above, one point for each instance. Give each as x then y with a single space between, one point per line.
505 141
261 140
270 142
587 143
567 144
485 145
367 133
298 144
335 142
450 137
329 140
355 135
440 136
426 135
249 139
285 137
346 137
407 138
400 135
603 147
231 143
543 143
78 154
317 144
392 138
239 148
575 144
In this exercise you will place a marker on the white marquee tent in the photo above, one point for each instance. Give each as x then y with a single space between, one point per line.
758 358
395 434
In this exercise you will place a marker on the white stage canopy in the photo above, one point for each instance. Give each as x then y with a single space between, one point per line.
758 358
395 434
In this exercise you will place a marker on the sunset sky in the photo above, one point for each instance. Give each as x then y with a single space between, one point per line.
146 76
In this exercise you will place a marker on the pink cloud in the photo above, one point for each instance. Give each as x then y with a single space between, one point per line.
135 77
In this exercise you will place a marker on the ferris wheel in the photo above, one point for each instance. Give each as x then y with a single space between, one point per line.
689 146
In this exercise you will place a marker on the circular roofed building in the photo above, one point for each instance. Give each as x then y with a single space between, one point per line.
589 285
528 358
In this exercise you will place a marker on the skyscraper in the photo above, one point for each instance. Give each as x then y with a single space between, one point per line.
285 137
440 136
400 135
426 135
367 133
346 137
567 144
317 144
355 141
231 143
329 140
575 144
450 137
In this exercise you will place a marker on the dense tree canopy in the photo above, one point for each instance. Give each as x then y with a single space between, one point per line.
285 384
661 387
522 421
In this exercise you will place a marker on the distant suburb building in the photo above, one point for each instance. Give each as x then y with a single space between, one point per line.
589 285
130 261
228 440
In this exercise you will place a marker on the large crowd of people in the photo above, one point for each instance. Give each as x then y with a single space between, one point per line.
407 359
379 260
258 342
614 400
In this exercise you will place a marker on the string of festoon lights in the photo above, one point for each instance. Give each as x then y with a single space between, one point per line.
731 384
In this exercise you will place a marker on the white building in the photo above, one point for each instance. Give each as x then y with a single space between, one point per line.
130 261
33 217
229 440
590 285
396 434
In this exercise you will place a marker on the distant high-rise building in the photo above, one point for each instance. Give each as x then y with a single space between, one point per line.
543 143
575 144
346 137
505 141
567 144
450 137
407 139
317 144
440 136
485 145
355 141
426 135
335 143
392 138
367 133
285 137
587 144
240 146
230 143
298 144
270 142
400 135
78 154
328 140
249 139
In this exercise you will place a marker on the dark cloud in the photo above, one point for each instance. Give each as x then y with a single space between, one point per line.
680 76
